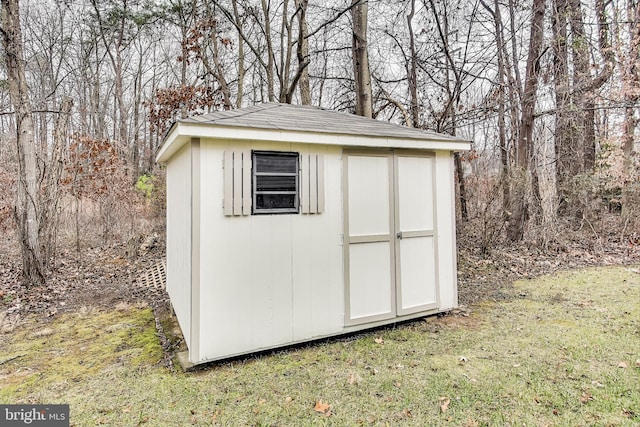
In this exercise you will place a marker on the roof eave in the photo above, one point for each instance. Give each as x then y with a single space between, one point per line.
173 141
181 132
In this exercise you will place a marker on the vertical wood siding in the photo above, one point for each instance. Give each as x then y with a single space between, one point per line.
179 238
237 183
311 183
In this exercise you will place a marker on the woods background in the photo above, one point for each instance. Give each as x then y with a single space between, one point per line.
547 90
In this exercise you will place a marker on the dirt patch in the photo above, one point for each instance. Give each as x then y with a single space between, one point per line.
454 321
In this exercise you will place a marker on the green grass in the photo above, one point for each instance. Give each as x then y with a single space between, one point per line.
563 351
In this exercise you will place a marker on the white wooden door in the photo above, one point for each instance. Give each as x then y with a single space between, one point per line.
369 238
415 232
389 239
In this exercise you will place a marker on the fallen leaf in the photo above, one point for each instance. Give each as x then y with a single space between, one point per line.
444 404
379 341
585 397
623 365
352 379
374 371
321 407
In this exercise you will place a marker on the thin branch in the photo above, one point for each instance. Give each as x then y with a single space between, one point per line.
11 358
8 113
334 19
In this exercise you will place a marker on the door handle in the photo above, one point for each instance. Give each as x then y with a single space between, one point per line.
399 235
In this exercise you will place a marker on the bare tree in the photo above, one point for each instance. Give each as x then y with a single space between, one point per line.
51 191
631 77
303 51
566 134
412 73
519 203
362 74
506 85
238 24
28 203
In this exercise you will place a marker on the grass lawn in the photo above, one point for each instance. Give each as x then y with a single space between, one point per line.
563 351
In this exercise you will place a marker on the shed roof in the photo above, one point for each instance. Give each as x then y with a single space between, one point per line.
305 124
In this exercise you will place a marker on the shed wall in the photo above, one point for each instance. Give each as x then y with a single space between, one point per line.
267 280
179 238
446 219
270 280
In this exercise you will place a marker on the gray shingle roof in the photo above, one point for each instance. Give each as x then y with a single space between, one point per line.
304 118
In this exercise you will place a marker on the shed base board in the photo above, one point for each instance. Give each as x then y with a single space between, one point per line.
187 365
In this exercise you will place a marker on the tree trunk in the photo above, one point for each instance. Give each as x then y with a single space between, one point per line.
50 209
519 203
567 142
219 71
362 74
27 206
286 47
585 85
303 52
236 17
502 128
582 119
135 145
118 45
270 52
631 81
412 76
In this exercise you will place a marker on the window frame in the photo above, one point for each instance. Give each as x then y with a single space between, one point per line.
256 210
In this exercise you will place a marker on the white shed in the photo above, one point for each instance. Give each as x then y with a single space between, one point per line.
291 223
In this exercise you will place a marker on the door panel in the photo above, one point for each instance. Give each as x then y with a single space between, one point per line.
369 199
416 275
415 193
370 276
368 239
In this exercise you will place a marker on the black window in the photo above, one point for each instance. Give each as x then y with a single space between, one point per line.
275 182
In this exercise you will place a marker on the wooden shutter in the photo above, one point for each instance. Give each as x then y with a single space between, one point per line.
237 183
312 183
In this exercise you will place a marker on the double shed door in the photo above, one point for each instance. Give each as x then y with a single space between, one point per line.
389 239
